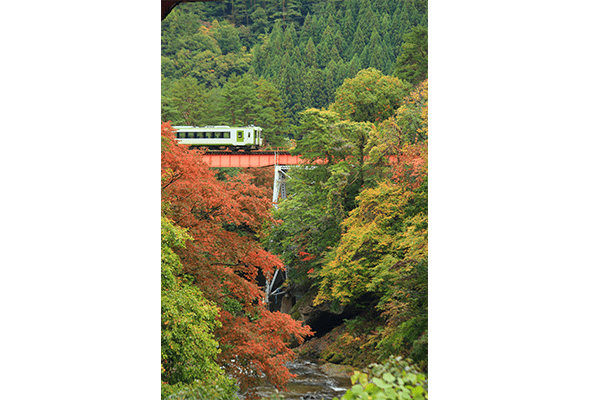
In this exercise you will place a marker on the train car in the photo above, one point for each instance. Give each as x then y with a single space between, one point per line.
221 137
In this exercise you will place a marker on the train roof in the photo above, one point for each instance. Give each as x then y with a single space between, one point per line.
214 127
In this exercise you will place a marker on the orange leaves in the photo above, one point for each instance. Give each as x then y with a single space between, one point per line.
226 260
306 256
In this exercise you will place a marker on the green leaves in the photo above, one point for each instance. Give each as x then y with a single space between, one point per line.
370 96
412 64
188 320
394 380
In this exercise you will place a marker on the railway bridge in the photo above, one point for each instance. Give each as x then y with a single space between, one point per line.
281 159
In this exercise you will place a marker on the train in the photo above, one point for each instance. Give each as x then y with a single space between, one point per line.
221 137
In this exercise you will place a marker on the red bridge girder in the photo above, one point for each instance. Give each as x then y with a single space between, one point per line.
247 160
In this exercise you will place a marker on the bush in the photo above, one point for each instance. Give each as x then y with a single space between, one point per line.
396 379
223 388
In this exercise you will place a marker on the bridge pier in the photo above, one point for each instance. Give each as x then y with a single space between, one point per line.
280 183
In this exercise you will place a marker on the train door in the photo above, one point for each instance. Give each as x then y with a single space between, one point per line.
257 137
240 138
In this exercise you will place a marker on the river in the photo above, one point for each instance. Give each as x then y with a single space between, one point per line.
310 384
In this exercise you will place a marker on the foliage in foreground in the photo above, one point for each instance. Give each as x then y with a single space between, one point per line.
396 379
223 388
188 345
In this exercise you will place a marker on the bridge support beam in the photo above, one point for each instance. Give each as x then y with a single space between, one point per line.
280 184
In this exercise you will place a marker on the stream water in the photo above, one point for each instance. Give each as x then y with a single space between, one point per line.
310 384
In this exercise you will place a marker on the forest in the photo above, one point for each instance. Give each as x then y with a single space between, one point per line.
343 81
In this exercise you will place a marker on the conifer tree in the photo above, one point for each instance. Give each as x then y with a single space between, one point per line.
286 10
400 26
306 30
340 44
353 67
348 26
325 47
358 43
376 58
290 87
318 24
313 88
412 64
183 102
311 56
260 21
289 40
367 19
335 54
330 77
271 116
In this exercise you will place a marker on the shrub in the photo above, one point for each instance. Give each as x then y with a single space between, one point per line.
396 379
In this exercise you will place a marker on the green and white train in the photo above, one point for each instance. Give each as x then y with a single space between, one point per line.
221 137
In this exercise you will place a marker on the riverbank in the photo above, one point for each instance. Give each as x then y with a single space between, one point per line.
315 380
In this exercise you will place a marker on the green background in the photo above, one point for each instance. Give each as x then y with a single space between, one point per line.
508 199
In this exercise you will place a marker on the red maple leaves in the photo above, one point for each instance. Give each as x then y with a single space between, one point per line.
227 262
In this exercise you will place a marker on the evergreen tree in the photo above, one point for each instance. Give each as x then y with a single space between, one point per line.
330 77
290 87
260 23
314 94
260 55
353 67
227 37
239 12
311 56
240 99
319 25
325 47
306 30
183 102
367 19
376 58
286 10
358 43
348 26
412 64
340 44
330 22
289 39
400 26
271 116
335 54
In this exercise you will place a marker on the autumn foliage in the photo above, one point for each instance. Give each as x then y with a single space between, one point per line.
225 260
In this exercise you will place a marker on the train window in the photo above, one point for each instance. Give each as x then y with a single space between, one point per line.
240 134
190 135
226 135
248 134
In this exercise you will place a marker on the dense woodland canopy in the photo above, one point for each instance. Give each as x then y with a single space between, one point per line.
264 61
347 82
